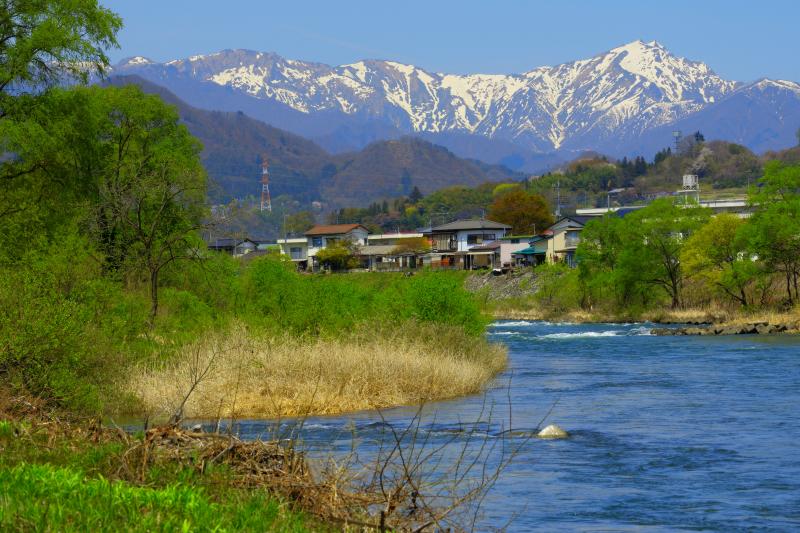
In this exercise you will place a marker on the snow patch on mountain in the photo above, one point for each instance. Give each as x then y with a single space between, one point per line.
629 89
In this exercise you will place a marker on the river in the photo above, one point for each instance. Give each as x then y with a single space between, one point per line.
666 433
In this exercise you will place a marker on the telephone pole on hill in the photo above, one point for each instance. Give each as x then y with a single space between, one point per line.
557 187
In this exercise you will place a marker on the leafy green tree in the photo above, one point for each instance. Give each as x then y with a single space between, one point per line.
339 255
774 228
505 188
121 162
716 252
416 195
298 223
629 256
412 245
41 43
599 251
656 236
42 40
527 213
151 185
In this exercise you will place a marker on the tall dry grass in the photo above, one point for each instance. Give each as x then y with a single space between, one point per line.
726 316
242 374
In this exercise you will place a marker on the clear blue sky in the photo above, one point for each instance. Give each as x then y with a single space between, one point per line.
741 40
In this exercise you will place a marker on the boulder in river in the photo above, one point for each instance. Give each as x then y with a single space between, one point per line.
553 431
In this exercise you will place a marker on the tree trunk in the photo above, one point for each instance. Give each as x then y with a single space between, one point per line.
153 296
675 286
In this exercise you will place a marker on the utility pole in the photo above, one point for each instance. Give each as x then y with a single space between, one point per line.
677 135
557 187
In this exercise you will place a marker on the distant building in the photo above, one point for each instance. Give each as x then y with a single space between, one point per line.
736 206
303 250
234 247
464 244
566 235
511 244
384 253
535 253
557 244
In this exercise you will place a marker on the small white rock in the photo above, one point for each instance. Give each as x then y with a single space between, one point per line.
553 431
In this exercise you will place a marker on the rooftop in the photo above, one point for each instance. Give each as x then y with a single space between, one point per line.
469 224
334 229
509 237
494 245
381 249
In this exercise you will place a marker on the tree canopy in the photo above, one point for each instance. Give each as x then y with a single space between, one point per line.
42 40
526 213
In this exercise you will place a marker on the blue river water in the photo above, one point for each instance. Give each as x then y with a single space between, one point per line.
666 433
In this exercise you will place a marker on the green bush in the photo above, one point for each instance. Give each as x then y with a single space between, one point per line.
560 288
438 297
184 316
279 297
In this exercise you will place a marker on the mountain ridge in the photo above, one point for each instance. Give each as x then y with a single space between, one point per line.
605 102
234 144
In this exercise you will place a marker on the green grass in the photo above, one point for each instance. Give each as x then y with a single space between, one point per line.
45 497
51 481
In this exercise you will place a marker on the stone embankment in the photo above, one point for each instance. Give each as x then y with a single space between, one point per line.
752 328
514 284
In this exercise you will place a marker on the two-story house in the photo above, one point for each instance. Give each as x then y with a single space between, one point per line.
464 244
303 250
563 243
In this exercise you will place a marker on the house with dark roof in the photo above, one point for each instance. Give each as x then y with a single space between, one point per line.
566 235
465 244
232 246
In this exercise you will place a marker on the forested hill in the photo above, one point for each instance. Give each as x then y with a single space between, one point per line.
234 144
373 172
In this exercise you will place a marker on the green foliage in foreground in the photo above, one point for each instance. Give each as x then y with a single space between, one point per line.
279 297
66 482
44 497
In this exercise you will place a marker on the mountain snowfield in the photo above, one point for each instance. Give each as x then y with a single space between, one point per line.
605 103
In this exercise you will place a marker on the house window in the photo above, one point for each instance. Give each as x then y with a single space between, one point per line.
480 238
296 252
514 241
572 238
316 242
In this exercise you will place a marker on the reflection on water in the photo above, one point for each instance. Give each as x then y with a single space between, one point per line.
666 432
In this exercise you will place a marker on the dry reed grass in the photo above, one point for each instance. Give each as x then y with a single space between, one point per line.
240 374
575 315
727 316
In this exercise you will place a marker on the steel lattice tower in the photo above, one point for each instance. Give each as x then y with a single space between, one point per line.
266 200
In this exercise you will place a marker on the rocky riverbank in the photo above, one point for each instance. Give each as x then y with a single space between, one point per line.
752 328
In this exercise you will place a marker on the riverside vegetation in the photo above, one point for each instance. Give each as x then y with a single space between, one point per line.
674 262
111 305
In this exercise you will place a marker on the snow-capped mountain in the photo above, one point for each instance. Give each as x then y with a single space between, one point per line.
611 99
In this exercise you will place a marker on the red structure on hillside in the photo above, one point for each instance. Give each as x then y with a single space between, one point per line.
266 200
